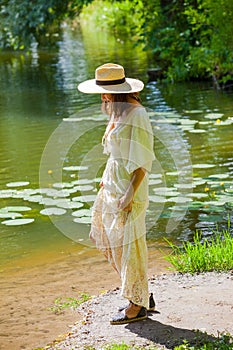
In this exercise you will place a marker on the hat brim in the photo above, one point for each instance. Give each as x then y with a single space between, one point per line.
129 86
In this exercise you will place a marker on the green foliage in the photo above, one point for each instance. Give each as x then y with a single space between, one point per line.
190 39
215 254
23 22
120 17
124 346
60 305
121 346
194 40
223 342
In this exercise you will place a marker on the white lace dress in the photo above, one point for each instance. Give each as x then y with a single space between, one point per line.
119 235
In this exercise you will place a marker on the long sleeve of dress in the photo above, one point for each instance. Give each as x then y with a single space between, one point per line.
136 145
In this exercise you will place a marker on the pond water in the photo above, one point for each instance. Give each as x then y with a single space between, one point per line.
51 136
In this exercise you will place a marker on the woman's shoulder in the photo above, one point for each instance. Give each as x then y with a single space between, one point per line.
138 116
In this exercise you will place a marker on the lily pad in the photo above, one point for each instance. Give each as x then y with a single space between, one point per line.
180 199
197 131
97 179
82 212
29 191
33 199
166 121
219 176
172 214
155 182
6 194
186 127
157 199
205 122
18 194
224 123
18 222
75 168
195 205
162 190
8 215
53 211
69 205
71 190
229 190
155 176
203 166
194 111
214 208
82 182
18 184
84 188
166 191
86 199
198 182
62 185
52 192
17 208
210 218
48 201
197 195
173 173
83 220
188 121
214 116
171 193
184 186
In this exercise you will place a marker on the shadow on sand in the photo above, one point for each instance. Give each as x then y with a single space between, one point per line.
167 335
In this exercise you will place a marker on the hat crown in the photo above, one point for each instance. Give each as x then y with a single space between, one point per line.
109 71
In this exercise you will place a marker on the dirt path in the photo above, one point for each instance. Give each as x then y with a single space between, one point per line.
185 303
26 322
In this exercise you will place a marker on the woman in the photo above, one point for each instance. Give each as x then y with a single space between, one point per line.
118 217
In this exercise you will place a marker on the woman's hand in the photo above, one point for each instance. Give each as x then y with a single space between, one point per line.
125 203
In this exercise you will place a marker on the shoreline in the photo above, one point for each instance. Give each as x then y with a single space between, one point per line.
26 296
193 308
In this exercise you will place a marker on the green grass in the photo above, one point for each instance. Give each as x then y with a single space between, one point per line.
60 305
222 342
203 255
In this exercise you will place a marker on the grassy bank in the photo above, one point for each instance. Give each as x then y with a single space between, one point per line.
201 255
204 254
224 342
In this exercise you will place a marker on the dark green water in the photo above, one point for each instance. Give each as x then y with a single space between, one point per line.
39 95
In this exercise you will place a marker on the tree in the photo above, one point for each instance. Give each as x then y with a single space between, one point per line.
25 21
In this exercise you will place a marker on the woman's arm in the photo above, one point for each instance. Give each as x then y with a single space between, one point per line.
125 203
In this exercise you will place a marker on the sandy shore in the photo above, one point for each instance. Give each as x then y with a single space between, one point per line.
26 296
188 307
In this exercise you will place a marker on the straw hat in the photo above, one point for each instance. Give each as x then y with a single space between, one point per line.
110 78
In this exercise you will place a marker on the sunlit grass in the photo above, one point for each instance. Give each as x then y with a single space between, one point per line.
60 305
222 342
203 255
